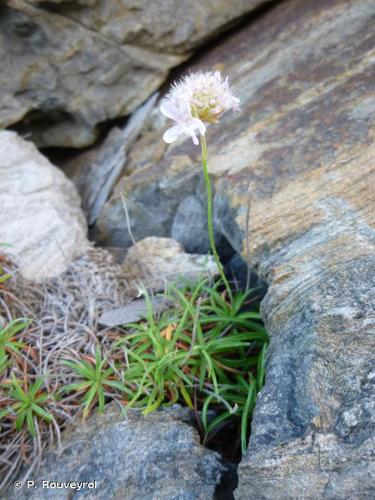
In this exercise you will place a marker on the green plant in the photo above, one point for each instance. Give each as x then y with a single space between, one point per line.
26 404
203 352
8 341
95 378
208 349
9 345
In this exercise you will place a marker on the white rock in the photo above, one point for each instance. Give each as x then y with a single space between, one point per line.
40 214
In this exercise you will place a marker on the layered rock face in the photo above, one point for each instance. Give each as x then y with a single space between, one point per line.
67 66
305 140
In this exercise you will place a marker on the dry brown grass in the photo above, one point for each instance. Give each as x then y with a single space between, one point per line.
64 324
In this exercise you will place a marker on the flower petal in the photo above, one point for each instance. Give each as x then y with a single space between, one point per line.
172 133
194 137
177 109
197 123
194 124
170 110
185 108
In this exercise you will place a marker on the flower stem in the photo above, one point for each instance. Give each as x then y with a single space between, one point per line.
209 214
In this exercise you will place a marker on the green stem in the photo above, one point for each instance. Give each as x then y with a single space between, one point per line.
209 214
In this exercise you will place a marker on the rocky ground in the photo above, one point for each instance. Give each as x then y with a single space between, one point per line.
304 140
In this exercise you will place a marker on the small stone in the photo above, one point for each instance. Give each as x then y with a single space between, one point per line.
132 312
154 262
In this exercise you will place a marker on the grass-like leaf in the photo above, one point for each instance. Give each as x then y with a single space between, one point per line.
208 348
26 404
94 378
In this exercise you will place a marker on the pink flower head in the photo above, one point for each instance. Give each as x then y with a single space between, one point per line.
197 98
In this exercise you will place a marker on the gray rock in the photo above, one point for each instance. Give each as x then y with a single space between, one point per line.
67 66
163 26
96 171
159 200
314 423
190 226
151 205
40 214
130 457
191 230
79 2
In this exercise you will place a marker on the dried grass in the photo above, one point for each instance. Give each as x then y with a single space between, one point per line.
64 313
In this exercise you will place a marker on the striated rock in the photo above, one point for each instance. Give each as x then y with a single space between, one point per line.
68 66
315 421
163 26
153 262
40 214
130 457
305 139
69 78
147 151
95 171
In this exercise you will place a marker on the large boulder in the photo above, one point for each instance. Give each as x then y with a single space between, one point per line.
129 457
67 66
40 217
305 139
